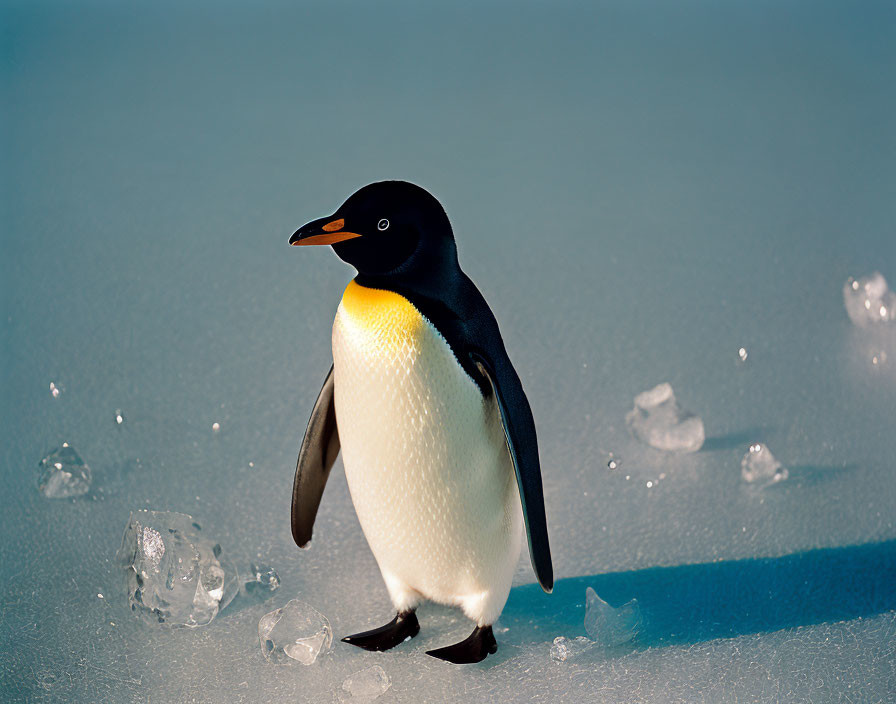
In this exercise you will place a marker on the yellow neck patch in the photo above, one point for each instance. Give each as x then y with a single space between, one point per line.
377 308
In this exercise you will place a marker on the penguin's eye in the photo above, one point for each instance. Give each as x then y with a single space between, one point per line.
382 225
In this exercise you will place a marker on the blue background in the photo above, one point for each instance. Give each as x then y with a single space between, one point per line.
639 189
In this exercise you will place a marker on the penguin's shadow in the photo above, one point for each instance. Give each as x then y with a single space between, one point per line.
700 602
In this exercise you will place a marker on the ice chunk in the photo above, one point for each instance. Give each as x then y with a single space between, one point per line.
365 686
174 574
610 627
119 417
760 466
261 579
56 389
868 301
564 648
63 474
297 632
661 423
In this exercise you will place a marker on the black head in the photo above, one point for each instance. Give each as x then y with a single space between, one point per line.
386 228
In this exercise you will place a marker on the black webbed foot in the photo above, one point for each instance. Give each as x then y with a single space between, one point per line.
398 630
478 645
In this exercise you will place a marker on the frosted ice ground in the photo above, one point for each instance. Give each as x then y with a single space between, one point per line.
638 192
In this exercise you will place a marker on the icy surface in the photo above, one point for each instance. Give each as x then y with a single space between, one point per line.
759 466
638 189
296 632
173 573
869 301
366 685
608 626
63 474
658 420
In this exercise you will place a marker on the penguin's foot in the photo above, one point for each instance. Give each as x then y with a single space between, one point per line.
398 630
478 645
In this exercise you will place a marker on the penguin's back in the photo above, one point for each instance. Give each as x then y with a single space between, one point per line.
424 453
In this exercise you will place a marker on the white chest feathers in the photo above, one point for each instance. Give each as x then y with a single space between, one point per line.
425 458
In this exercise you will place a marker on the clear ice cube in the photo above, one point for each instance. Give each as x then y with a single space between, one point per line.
759 466
174 574
610 627
297 632
658 421
365 686
563 648
869 301
63 474
261 580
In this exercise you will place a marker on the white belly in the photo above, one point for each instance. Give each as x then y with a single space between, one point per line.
425 458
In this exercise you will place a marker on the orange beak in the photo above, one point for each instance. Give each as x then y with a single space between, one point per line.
323 231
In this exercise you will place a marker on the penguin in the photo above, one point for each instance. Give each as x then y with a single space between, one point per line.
437 436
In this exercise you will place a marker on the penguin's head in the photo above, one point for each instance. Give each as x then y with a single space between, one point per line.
384 228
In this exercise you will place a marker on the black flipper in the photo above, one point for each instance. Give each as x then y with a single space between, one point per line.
319 450
476 648
519 431
398 630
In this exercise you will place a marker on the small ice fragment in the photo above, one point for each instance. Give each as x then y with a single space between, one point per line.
742 354
174 574
759 465
56 389
610 627
869 301
559 649
613 462
63 474
119 417
262 579
297 632
564 648
216 426
658 420
366 685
